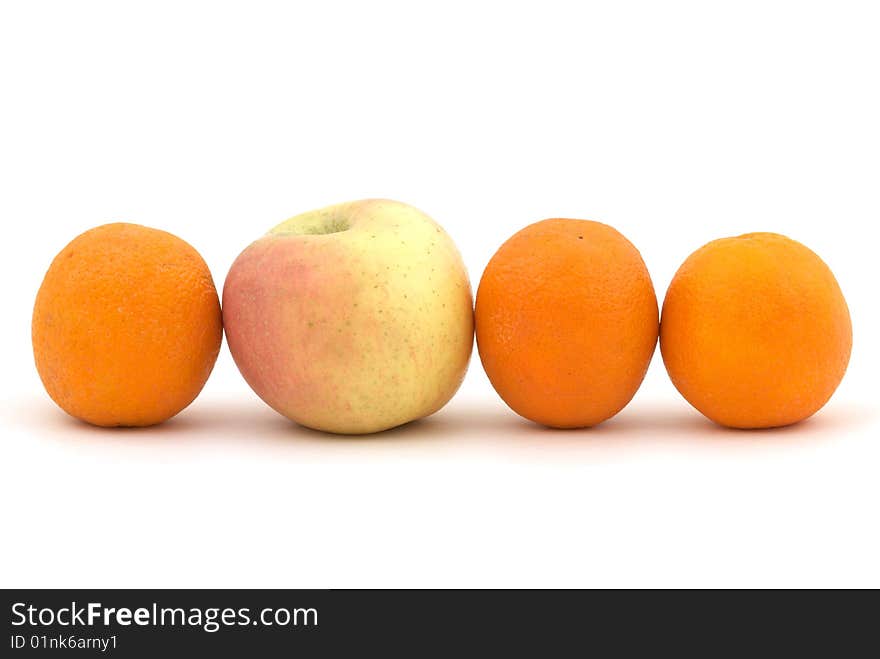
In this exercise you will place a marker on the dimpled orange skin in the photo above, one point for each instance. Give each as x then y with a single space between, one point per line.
126 326
566 322
755 331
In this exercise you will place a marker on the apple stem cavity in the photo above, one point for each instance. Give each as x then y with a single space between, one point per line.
315 223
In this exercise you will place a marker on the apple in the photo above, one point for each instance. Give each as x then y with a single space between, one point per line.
353 318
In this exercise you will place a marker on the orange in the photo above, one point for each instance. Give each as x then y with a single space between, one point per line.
755 331
126 326
566 322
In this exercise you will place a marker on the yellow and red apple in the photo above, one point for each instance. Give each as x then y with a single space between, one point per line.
351 319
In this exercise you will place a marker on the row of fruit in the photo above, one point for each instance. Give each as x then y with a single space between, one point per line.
359 317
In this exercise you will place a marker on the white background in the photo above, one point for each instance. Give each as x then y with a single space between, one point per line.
675 122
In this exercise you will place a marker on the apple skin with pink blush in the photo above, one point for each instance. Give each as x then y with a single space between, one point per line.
351 319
